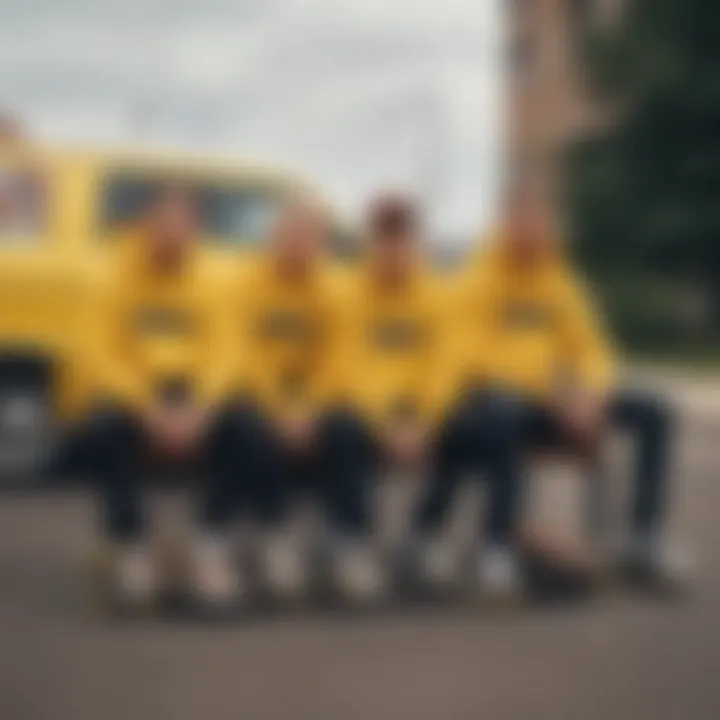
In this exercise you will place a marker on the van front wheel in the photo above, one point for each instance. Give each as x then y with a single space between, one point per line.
27 439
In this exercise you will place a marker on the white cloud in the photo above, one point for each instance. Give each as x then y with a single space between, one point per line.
359 93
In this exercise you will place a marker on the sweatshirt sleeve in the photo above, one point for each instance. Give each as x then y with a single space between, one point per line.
110 369
588 348
447 352
252 371
336 378
475 310
222 341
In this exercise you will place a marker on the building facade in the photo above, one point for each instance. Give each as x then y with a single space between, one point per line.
548 101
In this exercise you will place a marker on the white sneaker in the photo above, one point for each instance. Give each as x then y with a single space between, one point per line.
358 572
499 575
282 565
136 576
214 577
649 559
436 563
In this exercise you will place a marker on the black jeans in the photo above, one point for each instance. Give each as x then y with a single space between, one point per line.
481 434
272 475
114 453
494 431
648 419
348 465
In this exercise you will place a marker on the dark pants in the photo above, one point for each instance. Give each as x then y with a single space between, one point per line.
476 435
480 435
250 457
274 474
348 465
495 431
648 421
115 453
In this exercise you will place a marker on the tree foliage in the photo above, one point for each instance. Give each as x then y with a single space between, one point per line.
644 194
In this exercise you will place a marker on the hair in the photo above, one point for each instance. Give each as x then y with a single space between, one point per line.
299 201
170 190
160 194
391 215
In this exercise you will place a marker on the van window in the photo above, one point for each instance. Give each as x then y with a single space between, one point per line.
238 215
230 214
23 205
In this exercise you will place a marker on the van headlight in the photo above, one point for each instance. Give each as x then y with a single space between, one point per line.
19 414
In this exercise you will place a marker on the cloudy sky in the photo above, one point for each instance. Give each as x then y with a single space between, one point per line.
356 93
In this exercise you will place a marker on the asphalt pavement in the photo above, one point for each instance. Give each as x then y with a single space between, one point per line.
621 656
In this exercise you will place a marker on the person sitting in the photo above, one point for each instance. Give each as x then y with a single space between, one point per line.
397 401
278 319
153 319
555 369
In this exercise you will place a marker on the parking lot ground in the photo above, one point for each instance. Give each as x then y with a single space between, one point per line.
619 658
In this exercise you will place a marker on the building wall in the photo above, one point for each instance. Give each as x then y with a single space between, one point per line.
549 103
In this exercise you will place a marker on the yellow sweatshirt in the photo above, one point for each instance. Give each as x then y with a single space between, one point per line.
532 328
276 336
149 333
394 355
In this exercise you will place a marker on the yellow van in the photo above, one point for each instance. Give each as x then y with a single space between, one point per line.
60 210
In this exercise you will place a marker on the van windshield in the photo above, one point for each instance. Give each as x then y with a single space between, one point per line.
234 214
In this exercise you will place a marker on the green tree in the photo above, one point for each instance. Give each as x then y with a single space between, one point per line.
644 195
